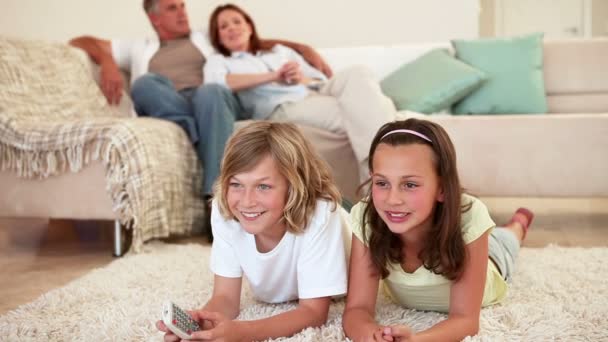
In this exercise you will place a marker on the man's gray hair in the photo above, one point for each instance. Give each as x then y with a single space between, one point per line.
151 6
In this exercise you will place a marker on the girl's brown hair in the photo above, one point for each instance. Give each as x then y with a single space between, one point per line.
214 30
444 248
308 176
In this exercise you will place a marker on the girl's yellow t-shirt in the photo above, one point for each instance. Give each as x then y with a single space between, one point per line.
425 290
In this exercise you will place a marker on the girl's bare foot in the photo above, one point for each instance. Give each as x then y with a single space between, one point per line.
520 223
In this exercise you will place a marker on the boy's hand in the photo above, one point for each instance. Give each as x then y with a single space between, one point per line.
171 337
223 328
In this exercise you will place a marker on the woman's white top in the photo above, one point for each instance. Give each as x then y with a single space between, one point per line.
263 99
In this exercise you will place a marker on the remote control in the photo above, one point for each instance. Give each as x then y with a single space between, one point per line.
179 321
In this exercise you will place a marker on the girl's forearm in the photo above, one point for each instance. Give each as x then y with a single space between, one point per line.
238 82
358 324
454 328
284 324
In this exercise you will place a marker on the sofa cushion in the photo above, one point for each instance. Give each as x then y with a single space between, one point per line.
515 75
431 83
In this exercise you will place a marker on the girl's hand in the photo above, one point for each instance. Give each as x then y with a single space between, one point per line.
222 328
398 333
373 333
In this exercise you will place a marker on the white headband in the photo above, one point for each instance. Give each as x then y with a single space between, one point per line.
408 131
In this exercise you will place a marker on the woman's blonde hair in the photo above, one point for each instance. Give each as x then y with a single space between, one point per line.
308 176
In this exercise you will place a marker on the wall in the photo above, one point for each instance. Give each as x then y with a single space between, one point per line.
322 23
599 18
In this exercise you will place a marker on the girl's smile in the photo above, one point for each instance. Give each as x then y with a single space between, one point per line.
397 217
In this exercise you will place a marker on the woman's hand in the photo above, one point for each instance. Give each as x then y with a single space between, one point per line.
290 73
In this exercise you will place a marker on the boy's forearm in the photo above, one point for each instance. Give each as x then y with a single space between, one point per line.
223 305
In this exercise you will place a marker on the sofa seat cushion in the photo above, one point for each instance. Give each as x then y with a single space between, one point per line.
515 75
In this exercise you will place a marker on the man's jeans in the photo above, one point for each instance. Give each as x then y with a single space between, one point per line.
207 114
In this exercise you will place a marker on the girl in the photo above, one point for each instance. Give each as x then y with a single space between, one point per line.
427 241
276 221
278 84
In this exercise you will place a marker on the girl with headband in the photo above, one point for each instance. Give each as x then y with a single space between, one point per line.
432 246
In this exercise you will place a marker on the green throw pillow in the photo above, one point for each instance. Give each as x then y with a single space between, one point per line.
514 67
431 83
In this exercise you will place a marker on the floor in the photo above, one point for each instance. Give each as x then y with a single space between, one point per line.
39 255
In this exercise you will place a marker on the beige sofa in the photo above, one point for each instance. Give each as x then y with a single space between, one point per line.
559 154
84 194
563 153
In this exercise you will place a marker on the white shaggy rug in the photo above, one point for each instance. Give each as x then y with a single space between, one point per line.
558 294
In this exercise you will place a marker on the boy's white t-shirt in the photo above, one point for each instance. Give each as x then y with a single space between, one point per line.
308 265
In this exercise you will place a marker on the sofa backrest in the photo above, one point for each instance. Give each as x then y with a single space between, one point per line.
575 70
382 59
576 75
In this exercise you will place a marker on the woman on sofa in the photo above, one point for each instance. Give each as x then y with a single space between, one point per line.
278 84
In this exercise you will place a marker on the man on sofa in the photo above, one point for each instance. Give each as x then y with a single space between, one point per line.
167 76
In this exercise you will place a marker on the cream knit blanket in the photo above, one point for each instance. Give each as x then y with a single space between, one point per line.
54 119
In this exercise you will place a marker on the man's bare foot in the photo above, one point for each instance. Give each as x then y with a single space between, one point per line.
520 223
